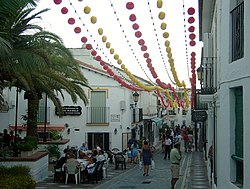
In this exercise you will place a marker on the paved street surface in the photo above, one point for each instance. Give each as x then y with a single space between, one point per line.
192 176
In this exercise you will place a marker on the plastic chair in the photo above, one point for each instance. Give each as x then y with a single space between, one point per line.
71 168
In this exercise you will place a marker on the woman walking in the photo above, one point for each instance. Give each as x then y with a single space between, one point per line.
146 156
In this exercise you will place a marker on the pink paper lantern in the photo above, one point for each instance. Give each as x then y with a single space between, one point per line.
144 48
77 30
71 21
149 65
191 20
64 10
192 36
93 53
192 43
191 29
145 55
89 46
149 61
191 11
141 42
138 34
193 54
132 18
129 5
135 26
84 39
57 2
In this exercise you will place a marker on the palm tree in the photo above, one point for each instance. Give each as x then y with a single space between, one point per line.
34 60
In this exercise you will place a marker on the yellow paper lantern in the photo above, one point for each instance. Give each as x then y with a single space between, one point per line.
165 34
104 39
169 55
100 31
167 43
163 25
168 49
161 15
108 45
119 61
87 10
171 60
123 66
93 19
112 51
159 3
116 56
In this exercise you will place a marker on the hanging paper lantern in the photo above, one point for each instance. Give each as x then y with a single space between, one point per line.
145 55
168 49
71 21
163 26
141 42
123 66
129 5
93 53
77 30
167 43
93 19
159 3
98 58
100 31
89 46
192 43
102 63
171 60
84 39
192 36
191 20
161 15
104 39
135 26
64 10
132 18
191 29
149 65
111 51
149 61
144 48
119 61
116 56
111 73
191 11
165 34
193 54
87 10
138 34
105 67
169 55
115 77
57 2
108 45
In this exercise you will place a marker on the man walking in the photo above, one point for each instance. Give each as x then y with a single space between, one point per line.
175 158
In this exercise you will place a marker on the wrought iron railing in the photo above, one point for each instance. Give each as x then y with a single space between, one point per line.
198 104
137 115
98 115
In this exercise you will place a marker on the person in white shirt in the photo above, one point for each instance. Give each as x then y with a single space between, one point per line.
168 143
100 157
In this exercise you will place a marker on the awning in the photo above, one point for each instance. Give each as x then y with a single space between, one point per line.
157 120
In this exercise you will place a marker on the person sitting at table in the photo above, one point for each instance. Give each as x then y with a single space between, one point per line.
91 165
72 163
83 147
100 157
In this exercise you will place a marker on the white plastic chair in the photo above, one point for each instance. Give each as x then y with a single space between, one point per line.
71 168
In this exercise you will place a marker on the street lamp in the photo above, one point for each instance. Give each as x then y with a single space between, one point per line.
135 99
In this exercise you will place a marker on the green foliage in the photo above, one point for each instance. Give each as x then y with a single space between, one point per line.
16 177
29 143
53 150
55 135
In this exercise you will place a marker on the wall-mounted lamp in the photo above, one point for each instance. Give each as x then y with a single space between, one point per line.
68 131
115 131
128 128
135 99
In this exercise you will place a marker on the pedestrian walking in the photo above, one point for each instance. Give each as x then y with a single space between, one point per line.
146 156
175 158
168 143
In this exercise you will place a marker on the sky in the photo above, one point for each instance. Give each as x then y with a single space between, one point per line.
117 27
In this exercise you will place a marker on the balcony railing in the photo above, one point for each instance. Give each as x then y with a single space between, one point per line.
98 115
137 115
198 104
237 16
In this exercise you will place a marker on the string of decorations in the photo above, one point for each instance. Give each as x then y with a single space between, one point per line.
127 40
159 47
84 39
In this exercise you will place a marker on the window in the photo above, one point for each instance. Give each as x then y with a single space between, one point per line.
101 139
98 110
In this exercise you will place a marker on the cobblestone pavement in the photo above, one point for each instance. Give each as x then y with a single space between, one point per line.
192 176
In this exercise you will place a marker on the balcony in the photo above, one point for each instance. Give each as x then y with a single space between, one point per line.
137 115
98 115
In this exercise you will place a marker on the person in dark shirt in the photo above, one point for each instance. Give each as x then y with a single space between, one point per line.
5 138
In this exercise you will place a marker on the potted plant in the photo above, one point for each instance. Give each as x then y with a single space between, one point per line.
55 135
27 145
54 152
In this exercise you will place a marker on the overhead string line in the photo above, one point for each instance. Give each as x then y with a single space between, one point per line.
128 42
162 57
91 36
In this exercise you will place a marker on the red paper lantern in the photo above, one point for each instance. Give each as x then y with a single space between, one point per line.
98 58
132 18
64 10
144 48
149 65
102 63
77 30
192 43
115 77
192 36
130 5
191 11
138 34
105 67
141 42
146 55
135 26
191 29
93 53
149 61
57 2
193 54
84 39
89 46
71 21
191 20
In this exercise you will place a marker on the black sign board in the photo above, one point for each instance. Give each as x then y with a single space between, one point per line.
70 110
199 115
